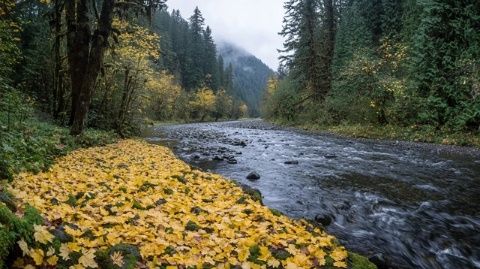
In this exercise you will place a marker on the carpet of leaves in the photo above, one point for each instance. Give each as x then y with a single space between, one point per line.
140 195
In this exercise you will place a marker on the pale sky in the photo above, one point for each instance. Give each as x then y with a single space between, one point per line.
249 24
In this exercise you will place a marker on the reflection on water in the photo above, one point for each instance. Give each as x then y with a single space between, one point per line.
417 207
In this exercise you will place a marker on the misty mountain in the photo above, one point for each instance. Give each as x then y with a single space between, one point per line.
250 75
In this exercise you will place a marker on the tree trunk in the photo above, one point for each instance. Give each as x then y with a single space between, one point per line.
85 56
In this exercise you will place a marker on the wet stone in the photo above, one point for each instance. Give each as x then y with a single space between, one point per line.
232 161
217 158
323 219
253 176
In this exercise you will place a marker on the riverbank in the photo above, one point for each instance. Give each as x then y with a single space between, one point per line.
419 134
132 203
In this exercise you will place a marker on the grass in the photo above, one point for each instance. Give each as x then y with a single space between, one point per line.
33 145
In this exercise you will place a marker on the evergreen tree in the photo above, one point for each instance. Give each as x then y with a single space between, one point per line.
309 28
196 45
210 67
446 53
221 72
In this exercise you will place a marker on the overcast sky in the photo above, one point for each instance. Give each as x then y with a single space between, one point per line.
250 24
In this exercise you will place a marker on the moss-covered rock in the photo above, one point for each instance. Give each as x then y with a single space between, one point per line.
121 256
357 261
255 194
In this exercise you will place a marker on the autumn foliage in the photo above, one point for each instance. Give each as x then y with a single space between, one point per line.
134 205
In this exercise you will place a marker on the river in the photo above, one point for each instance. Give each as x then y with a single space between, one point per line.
407 205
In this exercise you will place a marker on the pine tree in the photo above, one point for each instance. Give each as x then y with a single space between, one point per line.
221 72
196 48
309 45
210 68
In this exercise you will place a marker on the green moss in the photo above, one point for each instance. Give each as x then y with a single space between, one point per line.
7 199
356 261
275 212
192 226
13 228
130 253
7 241
168 191
280 254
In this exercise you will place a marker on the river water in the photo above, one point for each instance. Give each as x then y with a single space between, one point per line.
409 205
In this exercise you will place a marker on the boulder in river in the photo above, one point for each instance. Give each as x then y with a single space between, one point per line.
323 219
232 161
217 158
253 176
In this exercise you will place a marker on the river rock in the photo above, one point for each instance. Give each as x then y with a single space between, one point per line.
61 235
323 219
217 158
255 194
253 176
240 143
291 162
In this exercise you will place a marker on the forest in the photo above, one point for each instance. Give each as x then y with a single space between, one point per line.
130 63
402 66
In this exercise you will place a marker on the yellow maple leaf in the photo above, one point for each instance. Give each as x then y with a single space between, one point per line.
64 252
88 259
37 256
50 251
74 247
243 254
340 264
52 260
117 258
42 235
24 247
291 265
339 254
292 249
273 263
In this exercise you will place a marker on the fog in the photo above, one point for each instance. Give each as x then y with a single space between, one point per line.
250 24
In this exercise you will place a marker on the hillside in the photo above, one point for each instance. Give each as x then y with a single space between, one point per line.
250 75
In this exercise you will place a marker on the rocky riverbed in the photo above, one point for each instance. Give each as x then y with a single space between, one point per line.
405 205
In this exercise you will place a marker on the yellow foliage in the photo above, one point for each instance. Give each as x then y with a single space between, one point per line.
42 235
243 110
140 194
136 44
